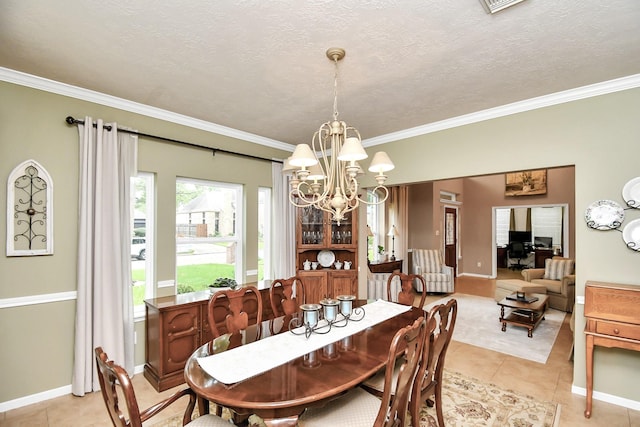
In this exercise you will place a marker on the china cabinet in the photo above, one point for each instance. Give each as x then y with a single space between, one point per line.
326 254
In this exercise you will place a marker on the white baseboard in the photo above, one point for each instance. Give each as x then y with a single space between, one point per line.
45 395
604 397
482 276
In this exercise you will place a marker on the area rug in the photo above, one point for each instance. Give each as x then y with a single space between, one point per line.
467 402
478 324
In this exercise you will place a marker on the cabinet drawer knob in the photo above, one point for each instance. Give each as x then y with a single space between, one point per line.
616 331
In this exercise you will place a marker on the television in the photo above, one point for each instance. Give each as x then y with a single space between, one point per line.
520 236
543 242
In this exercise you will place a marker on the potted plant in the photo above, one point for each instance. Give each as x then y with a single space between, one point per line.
224 282
380 253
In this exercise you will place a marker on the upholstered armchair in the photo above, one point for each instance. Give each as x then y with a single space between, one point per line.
429 264
559 279
377 285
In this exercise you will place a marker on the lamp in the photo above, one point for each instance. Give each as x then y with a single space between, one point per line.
393 233
333 186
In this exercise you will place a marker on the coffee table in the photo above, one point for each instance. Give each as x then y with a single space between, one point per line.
524 314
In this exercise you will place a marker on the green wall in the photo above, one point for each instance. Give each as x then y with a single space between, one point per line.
599 135
33 127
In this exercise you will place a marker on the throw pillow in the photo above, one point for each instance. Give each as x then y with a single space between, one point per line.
556 269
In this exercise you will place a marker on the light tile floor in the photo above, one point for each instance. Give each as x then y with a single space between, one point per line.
551 381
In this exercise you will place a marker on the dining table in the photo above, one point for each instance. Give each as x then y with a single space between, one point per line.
277 377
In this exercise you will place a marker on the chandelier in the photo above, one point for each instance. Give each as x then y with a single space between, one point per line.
330 182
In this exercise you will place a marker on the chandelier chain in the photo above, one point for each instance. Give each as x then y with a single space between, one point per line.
335 89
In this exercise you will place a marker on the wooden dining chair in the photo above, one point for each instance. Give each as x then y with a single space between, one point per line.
286 296
232 311
429 379
115 384
357 408
406 294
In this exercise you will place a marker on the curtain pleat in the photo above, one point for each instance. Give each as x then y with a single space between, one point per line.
283 222
512 220
104 314
397 213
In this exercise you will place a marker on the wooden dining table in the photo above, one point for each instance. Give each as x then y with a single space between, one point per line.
282 393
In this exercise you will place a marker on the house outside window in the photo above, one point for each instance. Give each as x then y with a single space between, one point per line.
211 248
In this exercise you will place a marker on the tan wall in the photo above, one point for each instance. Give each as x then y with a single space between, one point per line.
486 192
33 127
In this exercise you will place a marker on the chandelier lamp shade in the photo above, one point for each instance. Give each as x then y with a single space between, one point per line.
324 174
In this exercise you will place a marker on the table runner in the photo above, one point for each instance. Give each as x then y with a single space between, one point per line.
252 359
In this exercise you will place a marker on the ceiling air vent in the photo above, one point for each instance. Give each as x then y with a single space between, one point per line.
493 6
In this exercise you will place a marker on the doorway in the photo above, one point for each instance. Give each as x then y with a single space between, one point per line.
451 238
552 225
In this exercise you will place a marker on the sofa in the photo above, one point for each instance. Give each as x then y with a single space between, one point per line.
558 276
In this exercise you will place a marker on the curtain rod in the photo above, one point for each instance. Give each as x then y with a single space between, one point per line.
71 121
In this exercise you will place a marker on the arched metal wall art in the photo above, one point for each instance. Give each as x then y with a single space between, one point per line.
29 210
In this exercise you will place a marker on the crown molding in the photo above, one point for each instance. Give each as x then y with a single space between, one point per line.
59 88
24 79
603 88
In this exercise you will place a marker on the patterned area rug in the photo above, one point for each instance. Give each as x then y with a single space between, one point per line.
468 402
478 325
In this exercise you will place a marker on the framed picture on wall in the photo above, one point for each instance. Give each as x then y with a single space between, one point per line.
526 183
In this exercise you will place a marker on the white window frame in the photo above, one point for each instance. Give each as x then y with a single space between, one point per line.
149 292
265 212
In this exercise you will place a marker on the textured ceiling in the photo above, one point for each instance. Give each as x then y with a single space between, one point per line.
260 66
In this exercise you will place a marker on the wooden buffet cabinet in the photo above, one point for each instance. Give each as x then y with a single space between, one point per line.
317 234
175 327
612 313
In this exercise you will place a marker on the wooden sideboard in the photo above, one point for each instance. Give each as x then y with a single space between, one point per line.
541 255
612 313
175 327
385 266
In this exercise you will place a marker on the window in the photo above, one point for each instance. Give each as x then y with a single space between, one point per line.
264 233
374 222
502 226
547 222
210 248
141 205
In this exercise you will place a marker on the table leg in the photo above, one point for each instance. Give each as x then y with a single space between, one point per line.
587 411
504 326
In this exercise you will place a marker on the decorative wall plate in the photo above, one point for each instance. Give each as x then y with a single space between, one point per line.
631 193
631 235
326 258
604 215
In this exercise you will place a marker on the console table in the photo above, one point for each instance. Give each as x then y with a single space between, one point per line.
385 267
612 313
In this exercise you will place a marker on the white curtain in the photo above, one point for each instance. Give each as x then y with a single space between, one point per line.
283 243
399 216
104 313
